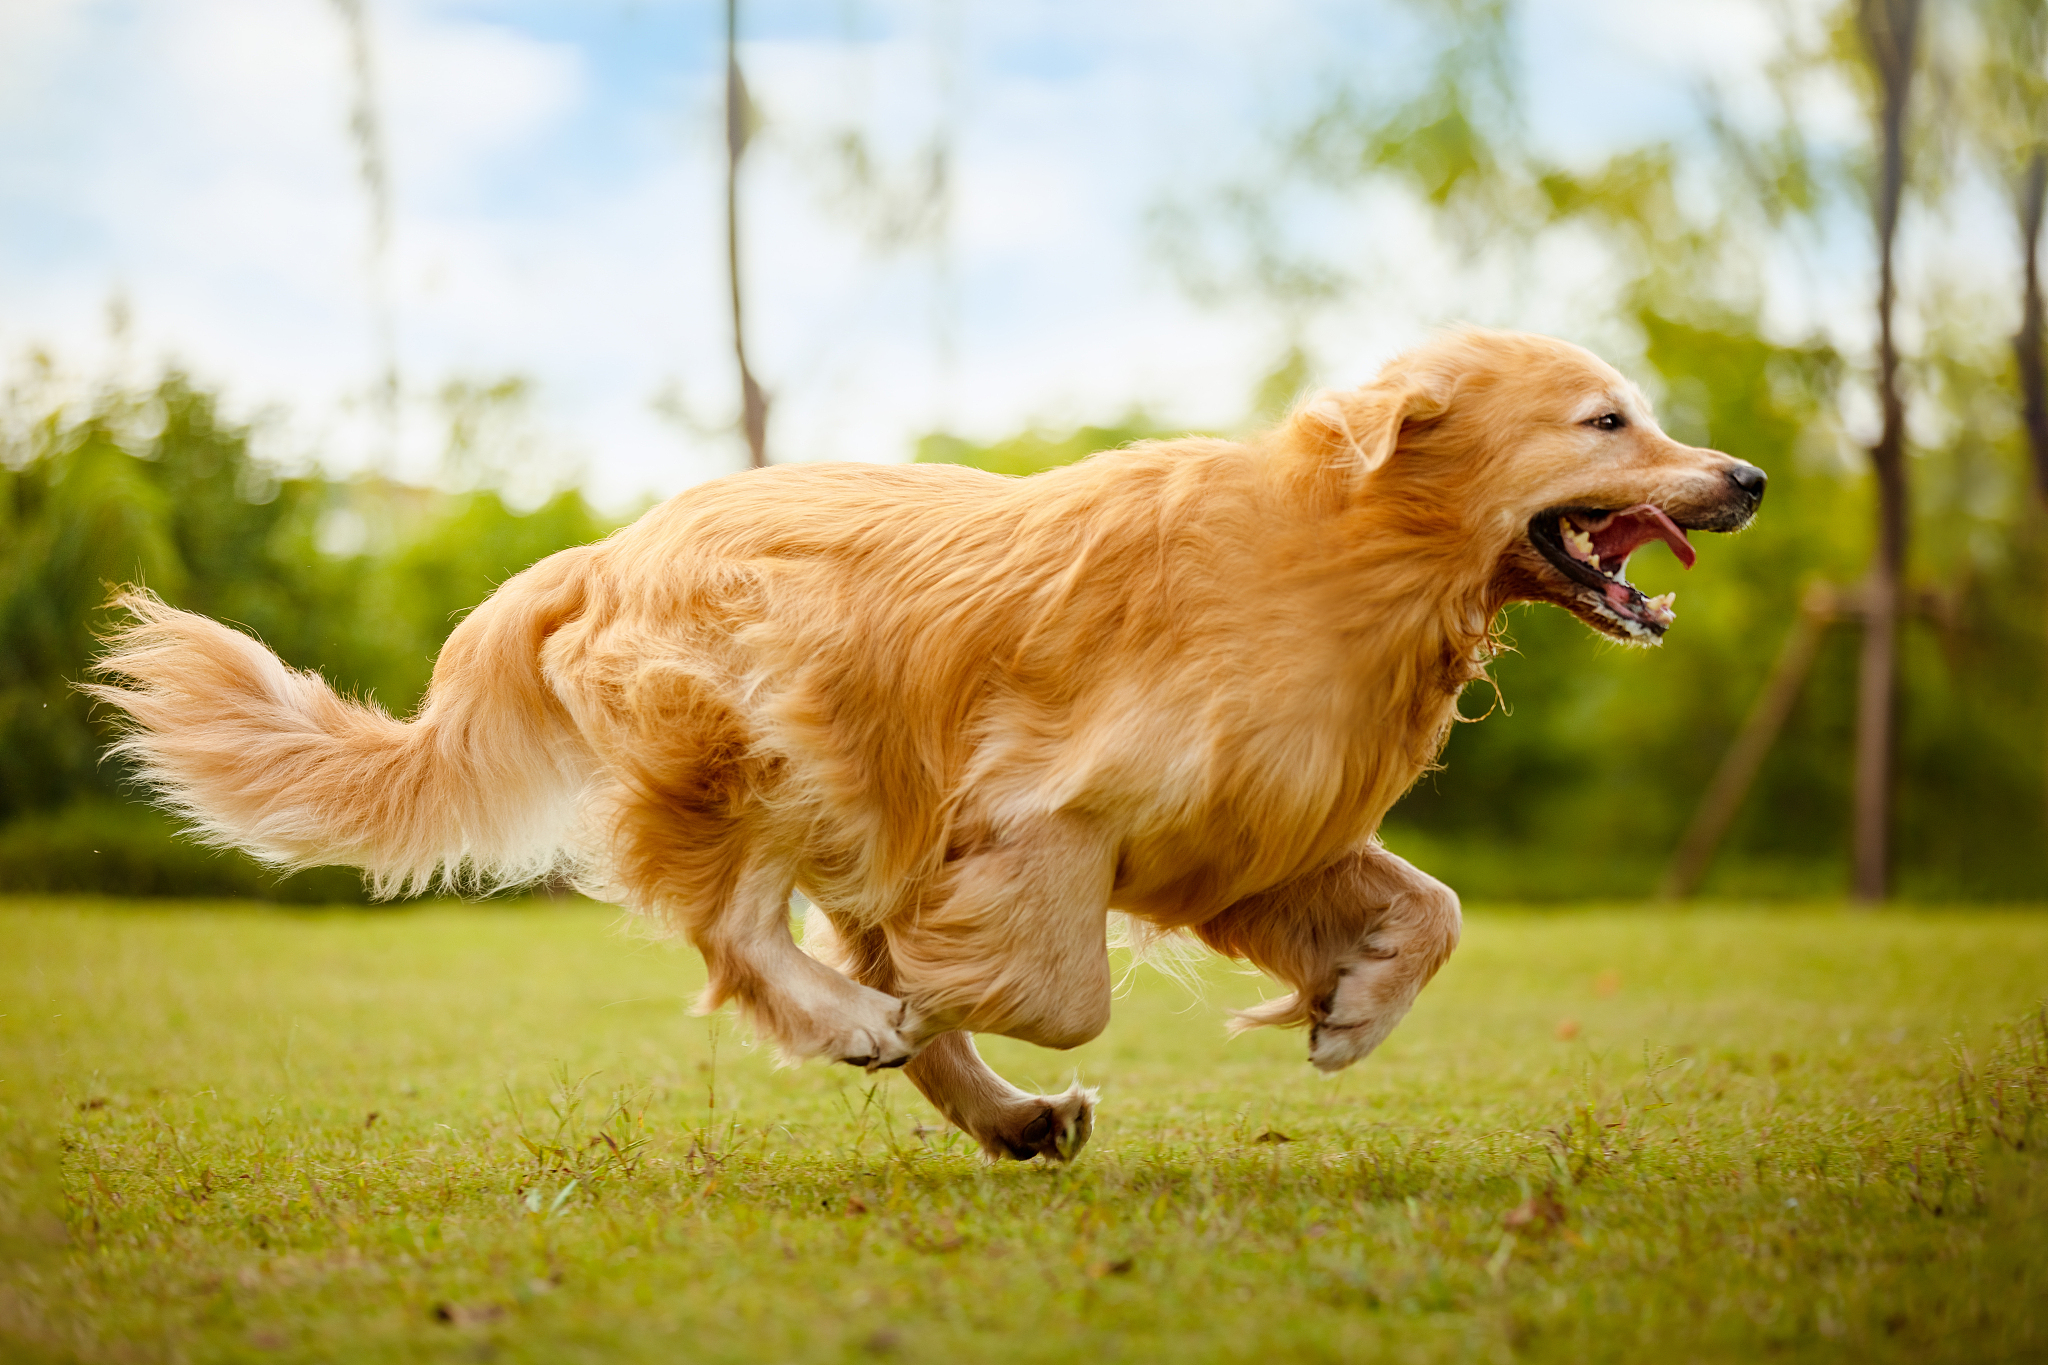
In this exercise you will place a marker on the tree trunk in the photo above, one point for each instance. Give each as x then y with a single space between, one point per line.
1890 28
366 131
1821 606
753 402
2027 342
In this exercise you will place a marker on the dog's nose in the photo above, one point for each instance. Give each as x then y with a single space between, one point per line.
1750 480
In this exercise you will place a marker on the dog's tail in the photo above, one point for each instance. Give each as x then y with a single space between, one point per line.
478 787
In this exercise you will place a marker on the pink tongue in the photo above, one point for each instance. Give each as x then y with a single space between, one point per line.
1638 525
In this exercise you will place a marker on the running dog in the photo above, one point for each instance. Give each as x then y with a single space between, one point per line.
967 716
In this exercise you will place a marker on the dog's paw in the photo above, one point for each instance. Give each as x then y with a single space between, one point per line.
1055 1127
1333 1046
1358 1015
878 1044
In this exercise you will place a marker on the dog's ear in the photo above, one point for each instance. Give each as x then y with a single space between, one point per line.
1362 425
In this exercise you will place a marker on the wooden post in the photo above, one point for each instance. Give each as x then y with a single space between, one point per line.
1820 606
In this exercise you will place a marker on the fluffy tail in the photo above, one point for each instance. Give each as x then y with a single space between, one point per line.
479 787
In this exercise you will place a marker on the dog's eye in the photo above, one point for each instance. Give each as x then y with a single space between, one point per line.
1608 421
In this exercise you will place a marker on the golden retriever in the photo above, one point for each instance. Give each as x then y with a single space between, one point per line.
967 715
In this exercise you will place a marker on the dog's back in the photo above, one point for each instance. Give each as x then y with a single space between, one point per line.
899 660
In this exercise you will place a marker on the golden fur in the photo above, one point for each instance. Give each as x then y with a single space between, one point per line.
966 715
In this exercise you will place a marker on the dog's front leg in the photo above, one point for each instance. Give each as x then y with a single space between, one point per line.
1357 941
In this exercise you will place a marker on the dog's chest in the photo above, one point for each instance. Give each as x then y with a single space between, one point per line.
1205 813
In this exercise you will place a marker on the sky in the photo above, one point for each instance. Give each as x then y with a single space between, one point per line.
556 174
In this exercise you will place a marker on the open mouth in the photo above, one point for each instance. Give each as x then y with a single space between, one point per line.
1591 546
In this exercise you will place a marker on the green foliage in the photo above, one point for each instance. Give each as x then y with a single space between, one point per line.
2006 99
454 1133
1030 452
1282 387
126 849
1452 142
360 579
149 488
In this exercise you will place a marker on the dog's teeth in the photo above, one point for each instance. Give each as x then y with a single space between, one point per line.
1577 543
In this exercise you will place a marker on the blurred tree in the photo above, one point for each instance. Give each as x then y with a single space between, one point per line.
2007 108
362 580
2008 117
366 134
901 199
740 120
83 512
1889 34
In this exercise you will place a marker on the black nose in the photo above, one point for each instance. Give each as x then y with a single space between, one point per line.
1750 480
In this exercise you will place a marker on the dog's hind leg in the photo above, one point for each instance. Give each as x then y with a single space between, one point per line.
1013 943
692 841
1357 941
809 1009
1006 1121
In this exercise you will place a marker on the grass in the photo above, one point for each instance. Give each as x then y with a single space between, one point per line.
494 1133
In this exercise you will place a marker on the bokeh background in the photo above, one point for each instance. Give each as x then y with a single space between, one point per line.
324 316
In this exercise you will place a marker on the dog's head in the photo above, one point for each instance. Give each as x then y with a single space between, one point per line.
1538 462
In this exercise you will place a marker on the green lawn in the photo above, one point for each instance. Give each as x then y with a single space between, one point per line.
495 1133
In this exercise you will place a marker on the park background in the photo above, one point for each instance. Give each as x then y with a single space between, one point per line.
325 318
